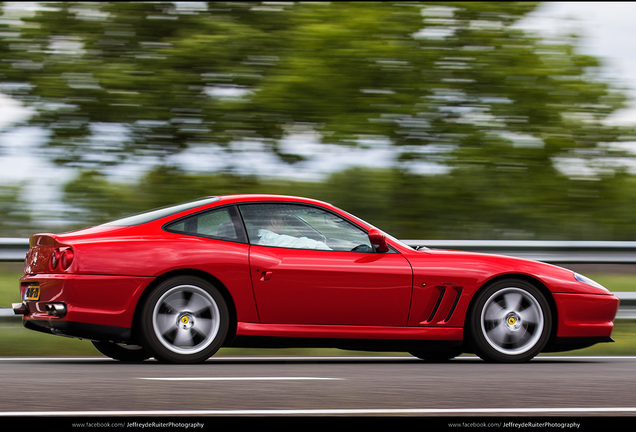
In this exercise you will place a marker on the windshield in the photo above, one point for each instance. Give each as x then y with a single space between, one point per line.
151 215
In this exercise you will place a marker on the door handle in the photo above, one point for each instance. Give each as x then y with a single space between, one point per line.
266 275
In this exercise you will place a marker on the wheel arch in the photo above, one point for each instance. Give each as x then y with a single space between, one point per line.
529 279
189 272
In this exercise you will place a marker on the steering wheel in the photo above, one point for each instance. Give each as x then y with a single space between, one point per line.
361 248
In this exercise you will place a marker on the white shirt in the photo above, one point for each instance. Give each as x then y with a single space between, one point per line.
270 238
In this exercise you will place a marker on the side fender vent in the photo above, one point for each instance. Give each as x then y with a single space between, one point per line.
458 294
440 297
445 305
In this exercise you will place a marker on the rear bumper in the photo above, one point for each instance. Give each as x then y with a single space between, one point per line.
72 300
80 330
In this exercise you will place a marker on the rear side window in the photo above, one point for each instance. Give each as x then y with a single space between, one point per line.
152 215
217 223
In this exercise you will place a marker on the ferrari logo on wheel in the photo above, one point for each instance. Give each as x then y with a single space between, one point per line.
512 320
185 319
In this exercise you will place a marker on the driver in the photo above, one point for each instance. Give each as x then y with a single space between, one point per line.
271 237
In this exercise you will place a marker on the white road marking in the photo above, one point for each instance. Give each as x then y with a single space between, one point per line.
237 378
315 412
310 412
326 358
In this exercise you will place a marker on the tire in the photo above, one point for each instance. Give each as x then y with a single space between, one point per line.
184 320
510 321
121 352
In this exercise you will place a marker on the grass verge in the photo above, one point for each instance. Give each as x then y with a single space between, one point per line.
15 340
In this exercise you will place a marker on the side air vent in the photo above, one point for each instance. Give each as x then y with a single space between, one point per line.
439 301
446 301
458 294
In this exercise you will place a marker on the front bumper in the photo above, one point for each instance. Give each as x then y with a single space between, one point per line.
585 315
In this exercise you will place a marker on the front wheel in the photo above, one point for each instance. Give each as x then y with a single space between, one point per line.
184 320
510 321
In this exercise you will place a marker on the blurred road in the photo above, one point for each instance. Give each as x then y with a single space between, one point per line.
561 386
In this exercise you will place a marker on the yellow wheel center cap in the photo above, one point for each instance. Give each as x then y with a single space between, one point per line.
512 320
186 321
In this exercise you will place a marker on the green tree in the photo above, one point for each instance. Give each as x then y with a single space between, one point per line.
14 216
455 83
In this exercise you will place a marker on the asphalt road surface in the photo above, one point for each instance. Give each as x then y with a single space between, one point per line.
318 386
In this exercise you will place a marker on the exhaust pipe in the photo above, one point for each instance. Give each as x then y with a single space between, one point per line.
52 309
20 309
56 309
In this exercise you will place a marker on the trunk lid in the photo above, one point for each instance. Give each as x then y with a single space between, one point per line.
43 246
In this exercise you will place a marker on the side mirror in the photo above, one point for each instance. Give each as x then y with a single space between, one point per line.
378 239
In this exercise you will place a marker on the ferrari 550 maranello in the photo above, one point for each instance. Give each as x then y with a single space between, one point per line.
181 282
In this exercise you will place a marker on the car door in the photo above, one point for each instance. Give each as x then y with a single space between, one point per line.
320 268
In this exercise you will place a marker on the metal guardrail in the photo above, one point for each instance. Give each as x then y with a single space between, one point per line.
13 249
6 314
556 252
627 309
572 252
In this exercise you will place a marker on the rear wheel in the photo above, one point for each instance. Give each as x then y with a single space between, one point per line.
122 352
184 320
510 321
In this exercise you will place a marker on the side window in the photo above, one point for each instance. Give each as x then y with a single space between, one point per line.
216 223
301 227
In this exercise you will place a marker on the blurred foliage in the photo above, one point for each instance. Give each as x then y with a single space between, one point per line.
455 84
14 214
406 205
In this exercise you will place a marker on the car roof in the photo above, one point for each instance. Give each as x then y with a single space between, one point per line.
238 198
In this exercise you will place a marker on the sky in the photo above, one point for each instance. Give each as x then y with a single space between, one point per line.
607 32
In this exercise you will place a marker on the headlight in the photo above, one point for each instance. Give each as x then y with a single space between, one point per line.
588 281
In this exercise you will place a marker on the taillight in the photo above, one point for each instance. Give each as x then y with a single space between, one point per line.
55 258
66 258
63 258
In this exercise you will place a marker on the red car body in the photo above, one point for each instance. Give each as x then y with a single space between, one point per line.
96 284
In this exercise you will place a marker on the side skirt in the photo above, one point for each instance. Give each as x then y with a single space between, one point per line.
363 338
344 344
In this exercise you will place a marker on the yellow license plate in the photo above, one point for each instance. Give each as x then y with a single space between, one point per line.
32 292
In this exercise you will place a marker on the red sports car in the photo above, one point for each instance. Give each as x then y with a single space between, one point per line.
181 282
